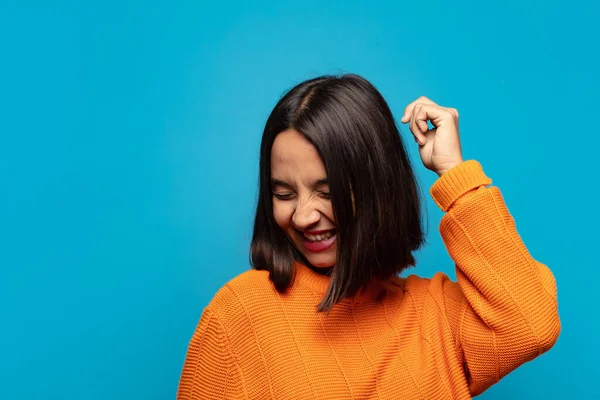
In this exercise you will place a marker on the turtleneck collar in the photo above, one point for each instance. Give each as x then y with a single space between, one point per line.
316 281
320 283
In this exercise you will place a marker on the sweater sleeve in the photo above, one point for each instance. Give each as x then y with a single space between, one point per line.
210 371
503 312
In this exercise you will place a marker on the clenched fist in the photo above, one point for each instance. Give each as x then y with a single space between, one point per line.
439 147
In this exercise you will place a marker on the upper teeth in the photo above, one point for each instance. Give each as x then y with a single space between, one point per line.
321 236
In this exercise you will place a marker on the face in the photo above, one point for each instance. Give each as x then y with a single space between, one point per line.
301 200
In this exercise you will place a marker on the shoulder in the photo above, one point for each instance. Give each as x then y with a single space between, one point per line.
242 294
244 306
421 289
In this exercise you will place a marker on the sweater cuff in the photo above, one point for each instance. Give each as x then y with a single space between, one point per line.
459 180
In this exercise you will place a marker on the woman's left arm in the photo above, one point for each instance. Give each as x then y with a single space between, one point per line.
503 312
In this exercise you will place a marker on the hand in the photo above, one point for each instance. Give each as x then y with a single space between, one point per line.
439 147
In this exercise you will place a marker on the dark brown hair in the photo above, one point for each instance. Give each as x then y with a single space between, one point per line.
354 132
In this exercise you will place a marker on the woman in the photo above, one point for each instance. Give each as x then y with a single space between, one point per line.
323 314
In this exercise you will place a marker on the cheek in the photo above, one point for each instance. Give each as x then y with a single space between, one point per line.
283 215
329 212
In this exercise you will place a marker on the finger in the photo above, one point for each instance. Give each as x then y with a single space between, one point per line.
430 134
419 123
454 112
434 113
409 108
414 128
407 113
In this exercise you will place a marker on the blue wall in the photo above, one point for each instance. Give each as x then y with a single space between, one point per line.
129 135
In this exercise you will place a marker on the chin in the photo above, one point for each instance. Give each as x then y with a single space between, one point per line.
321 261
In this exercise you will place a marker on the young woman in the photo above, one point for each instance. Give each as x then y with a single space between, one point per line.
323 314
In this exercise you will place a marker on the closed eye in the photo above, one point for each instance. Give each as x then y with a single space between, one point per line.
283 196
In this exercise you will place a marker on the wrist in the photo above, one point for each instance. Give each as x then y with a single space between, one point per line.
449 188
448 167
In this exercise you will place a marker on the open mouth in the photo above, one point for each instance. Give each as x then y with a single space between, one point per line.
319 242
319 237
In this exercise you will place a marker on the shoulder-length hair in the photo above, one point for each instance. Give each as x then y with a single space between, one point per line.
374 193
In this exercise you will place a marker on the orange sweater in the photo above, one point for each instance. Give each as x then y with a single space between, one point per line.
430 339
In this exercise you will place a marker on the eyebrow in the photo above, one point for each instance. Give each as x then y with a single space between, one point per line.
278 182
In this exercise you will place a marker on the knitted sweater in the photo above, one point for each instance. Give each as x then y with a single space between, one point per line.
430 339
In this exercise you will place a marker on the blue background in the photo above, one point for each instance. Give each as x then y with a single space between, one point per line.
129 135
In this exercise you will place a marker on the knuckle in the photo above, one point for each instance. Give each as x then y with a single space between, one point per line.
452 111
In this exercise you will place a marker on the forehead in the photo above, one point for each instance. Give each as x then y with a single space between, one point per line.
293 154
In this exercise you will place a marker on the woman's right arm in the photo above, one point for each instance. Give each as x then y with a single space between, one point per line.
210 370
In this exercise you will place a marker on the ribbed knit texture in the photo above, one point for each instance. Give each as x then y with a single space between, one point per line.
428 339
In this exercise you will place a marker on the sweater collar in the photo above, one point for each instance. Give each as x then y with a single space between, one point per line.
320 283
306 276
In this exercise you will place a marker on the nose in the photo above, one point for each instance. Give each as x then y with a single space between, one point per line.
305 215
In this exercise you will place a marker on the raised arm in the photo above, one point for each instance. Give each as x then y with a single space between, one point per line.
503 311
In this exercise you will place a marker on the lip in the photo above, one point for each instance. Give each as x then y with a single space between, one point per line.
317 247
